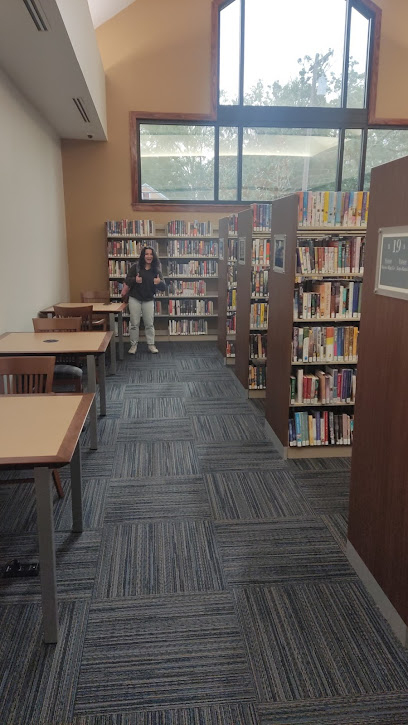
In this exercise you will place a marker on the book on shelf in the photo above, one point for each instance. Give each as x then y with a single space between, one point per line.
136 227
333 208
192 247
180 227
192 268
328 299
324 344
261 251
331 255
130 247
320 428
261 217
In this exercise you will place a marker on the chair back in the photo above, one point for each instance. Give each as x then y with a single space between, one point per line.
26 375
95 296
57 324
84 312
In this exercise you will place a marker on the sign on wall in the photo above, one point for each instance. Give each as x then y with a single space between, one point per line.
391 277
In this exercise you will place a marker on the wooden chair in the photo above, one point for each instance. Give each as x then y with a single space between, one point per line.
85 313
97 296
28 375
67 371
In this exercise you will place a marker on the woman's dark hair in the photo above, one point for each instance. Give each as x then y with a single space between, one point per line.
155 262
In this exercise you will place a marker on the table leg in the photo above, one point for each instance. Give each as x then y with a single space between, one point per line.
46 541
93 423
120 333
76 490
102 384
112 342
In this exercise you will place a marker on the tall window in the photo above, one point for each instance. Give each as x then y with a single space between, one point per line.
292 114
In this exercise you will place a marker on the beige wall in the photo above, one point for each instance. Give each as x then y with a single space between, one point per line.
33 250
164 67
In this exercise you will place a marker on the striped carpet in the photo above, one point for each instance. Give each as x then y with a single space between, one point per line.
210 585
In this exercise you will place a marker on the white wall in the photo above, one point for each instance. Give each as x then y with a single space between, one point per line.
33 247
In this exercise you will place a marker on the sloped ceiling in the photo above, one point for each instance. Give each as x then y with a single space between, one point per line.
103 10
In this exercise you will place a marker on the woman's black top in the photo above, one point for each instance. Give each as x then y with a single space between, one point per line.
145 290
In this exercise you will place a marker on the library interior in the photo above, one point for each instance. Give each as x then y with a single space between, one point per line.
204 212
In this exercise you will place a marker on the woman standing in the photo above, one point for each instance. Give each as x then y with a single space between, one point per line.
143 280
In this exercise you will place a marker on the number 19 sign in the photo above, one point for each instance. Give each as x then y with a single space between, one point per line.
391 277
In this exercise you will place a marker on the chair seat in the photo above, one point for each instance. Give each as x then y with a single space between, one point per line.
67 371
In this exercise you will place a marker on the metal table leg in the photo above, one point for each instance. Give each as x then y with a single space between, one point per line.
45 525
93 423
112 342
120 334
76 490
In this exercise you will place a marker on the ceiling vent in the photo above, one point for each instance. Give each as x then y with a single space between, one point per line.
81 109
37 14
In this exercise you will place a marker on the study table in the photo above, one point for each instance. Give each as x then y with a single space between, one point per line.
91 344
102 308
42 431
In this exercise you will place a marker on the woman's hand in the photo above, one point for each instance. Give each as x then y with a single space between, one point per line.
139 279
157 280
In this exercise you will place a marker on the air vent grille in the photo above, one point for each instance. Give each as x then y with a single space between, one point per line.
36 14
81 109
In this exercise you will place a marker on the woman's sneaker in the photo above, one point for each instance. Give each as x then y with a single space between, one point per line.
152 348
132 348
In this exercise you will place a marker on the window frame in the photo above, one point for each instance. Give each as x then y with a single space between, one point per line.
241 116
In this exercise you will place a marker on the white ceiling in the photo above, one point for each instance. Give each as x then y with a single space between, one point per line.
103 10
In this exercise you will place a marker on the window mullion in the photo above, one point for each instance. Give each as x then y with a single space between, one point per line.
346 57
242 55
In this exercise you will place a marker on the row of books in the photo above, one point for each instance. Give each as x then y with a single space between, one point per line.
183 288
232 275
230 348
179 227
259 283
129 247
233 224
188 327
257 346
118 268
258 318
320 428
337 300
257 377
191 247
333 208
325 344
191 307
331 385
233 250
262 215
138 227
231 299
330 256
261 252
193 268
232 323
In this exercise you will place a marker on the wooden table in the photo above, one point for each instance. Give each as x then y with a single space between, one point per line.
43 431
101 308
91 344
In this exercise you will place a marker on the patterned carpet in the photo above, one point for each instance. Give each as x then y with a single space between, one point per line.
210 586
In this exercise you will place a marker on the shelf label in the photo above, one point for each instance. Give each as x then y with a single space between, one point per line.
241 250
279 253
221 248
391 279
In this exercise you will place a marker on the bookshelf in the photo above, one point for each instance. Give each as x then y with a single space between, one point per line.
227 288
314 316
253 245
189 257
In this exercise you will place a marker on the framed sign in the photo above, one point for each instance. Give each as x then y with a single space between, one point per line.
221 249
279 253
241 250
391 277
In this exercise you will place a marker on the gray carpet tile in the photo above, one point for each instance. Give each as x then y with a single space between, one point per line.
107 432
258 405
237 406
164 390
217 428
238 456
76 560
318 464
254 495
327 491
214 389
147 408
155 429
94 492
114 392
198 364
98 463
157 498
38 681
149 374
234 714
318 640
159 557
222 375
337 525
17 507
160 458
384 708
282 550
183 349
161 652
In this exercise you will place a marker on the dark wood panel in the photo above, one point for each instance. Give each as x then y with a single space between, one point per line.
378 521
222 287
245 224
280 320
